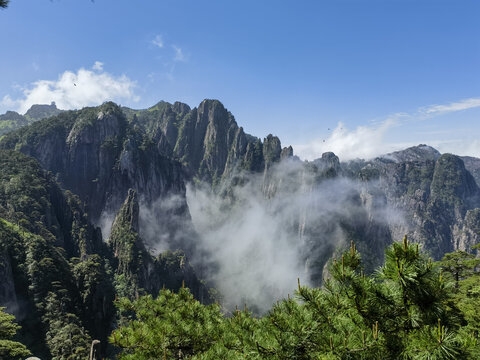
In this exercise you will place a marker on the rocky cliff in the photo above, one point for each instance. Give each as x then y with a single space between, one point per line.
57 275
137 271
206 140
50 254
435 194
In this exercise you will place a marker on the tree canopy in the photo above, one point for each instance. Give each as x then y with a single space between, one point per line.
9 348
405 310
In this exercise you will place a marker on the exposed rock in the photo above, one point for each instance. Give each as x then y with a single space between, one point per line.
328 165
472 164
421 152
432 192
137 271
287 152
38 112
272 150
98 156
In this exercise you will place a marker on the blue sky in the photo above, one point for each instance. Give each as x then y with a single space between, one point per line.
380 74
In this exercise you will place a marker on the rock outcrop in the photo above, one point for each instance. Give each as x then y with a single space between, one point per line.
137 270
432 192
206 140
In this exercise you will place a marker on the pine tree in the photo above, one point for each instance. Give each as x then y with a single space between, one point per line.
405 310
10 349
169 326
459 265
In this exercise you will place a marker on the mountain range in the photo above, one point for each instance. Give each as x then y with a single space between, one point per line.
109 201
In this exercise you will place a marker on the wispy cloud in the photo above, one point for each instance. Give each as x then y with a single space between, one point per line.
73 90
464 104
98 66
363 142
158 41
179 54
169 55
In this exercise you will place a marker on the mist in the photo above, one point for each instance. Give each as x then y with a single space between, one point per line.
263 232
255 235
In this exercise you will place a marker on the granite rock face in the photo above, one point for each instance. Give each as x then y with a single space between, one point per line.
137 271
98 155
472 164
206 140
436 195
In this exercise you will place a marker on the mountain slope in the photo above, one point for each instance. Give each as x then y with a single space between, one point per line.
253 213
56 274
436 195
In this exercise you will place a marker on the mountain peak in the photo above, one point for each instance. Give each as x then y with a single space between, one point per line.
421 152
40 111
127 216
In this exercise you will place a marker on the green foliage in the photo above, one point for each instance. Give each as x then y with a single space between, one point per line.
253 160
38 112
30 136
94 282
170 325
12 120
52 324
10 349
23 190
403 311
459 265
66 338
129 260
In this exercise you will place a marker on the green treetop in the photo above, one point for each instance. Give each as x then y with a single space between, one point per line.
10 349
405 310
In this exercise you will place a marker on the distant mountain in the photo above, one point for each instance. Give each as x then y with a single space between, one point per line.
12 120
436 194
421 152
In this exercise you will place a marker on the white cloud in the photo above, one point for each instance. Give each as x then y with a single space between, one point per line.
464 104
179 54
158 41
370 140
75 90
462 147
363 142
98 66
8 103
